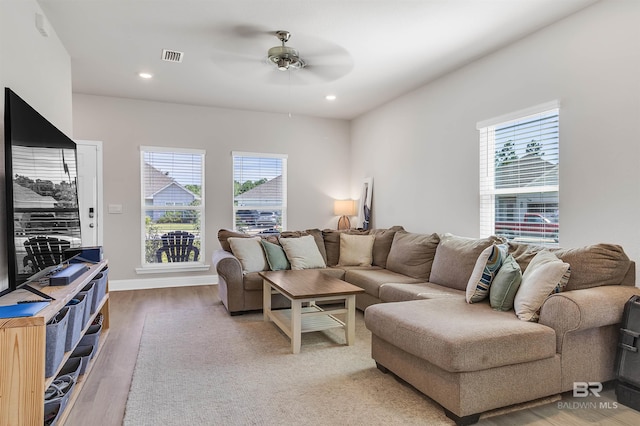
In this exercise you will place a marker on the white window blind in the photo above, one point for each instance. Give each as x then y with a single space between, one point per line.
259 192
519 169
172 205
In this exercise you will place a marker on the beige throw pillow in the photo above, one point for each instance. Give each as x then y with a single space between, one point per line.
356 250
250 253
545 274
302 252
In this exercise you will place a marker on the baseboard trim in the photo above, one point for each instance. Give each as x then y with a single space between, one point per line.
148 283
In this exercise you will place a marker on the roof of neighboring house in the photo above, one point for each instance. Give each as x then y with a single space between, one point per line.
25 197
271 190
156 181
530 170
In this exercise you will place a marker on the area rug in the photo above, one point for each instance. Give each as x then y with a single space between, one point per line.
208 368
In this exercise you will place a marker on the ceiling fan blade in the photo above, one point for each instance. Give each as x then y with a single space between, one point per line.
326 73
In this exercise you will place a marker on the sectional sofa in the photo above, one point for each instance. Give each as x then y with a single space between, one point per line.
475 324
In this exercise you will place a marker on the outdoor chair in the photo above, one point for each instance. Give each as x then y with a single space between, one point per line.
44 251
177 247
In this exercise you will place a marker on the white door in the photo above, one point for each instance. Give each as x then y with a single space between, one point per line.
89 155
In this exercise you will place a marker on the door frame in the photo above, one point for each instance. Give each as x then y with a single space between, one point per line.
99 184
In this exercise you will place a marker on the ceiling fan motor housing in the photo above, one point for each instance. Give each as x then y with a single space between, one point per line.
284 57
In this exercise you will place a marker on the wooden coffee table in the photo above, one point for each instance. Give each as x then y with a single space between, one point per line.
308 287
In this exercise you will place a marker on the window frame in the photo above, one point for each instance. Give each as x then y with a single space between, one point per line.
282 206
487 147
199 265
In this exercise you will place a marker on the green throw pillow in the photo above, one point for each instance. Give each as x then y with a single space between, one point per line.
276 257
505 285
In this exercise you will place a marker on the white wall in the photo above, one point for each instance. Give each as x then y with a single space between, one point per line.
38 69
422 149
317 149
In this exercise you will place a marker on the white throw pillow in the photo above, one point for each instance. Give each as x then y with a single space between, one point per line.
302 252
250 253
356 250
545 275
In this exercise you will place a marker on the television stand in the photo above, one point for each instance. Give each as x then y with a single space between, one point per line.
36 292
23 351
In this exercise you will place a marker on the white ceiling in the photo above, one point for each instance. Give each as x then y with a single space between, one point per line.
366 52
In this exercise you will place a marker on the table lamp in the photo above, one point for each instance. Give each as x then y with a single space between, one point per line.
344 209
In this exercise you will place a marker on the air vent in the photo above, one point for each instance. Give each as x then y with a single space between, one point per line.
172 55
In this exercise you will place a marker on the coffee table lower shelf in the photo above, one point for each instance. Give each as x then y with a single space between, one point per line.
313 318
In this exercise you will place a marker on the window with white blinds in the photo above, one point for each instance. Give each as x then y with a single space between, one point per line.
173 206
519 169
259 192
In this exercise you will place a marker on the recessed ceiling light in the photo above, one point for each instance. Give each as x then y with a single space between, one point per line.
145 75
330 97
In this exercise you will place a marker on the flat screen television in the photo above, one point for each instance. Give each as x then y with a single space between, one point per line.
43 219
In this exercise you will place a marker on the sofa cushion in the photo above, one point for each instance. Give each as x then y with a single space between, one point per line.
412 254
302 252
250 253
317 237
591 266
382 244
457 336
595 265
455 259
252 282
356 250
332 243
398 292
372 278
546 274
487 266
505 285
276 257
224 234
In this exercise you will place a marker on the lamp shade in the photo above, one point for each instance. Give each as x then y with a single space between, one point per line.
344 208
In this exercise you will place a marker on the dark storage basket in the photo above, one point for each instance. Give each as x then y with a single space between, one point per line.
88 291
628 395
628 356
56 338
52 414
85 353
71 367
99 291
69 383
76 321
92 336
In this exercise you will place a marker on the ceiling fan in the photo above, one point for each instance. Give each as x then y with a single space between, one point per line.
284 57
242 48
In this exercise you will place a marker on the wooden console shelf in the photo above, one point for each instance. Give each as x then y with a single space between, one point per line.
23 351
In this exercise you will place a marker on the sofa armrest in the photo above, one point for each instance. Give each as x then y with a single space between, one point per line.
583 309
226 261
230 280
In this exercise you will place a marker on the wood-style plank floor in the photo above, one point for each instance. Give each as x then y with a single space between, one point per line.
104 396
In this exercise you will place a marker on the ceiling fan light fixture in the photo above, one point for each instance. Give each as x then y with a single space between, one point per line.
284 57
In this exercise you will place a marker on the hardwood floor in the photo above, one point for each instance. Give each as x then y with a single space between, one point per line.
104 396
